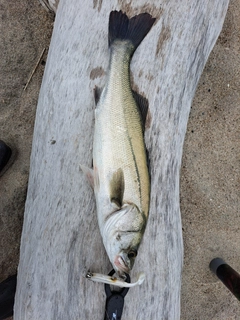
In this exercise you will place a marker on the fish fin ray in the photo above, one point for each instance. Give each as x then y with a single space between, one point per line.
117 187
97 94
134 29
142 104
148 163
89 174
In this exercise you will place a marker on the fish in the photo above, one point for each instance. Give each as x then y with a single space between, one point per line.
120 175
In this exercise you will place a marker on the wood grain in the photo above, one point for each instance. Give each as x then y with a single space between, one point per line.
60 238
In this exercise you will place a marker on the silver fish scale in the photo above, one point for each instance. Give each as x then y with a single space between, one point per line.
118 138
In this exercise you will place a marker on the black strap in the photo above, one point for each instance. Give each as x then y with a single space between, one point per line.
115 300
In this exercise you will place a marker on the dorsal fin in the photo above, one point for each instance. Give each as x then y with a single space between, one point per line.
117 187
97 94
142 104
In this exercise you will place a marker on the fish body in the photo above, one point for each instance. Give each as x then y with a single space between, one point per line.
120 172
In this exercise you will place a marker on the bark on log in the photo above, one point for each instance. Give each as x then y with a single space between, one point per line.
60 238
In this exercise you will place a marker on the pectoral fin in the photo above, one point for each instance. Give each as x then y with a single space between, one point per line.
117 187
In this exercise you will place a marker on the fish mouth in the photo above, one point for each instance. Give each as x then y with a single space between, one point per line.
121 265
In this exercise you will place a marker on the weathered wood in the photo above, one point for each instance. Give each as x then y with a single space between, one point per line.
60 238
50 5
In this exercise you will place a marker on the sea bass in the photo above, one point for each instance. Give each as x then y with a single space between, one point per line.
120 175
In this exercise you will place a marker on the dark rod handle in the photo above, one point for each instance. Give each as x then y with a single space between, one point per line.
229 277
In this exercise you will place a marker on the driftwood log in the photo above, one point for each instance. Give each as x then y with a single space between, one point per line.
60 239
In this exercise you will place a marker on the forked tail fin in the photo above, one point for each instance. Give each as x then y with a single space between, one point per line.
123 28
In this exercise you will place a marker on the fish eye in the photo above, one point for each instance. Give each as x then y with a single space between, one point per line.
132 254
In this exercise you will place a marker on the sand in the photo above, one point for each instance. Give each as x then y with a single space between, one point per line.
210 175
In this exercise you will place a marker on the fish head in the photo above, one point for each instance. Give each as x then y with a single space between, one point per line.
122 237
125 258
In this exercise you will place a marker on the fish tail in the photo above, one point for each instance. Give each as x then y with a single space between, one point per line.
134 29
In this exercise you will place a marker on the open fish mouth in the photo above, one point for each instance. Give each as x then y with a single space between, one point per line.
121 265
